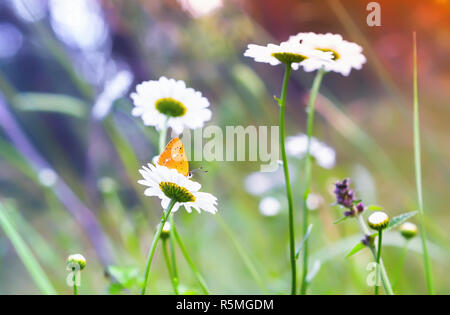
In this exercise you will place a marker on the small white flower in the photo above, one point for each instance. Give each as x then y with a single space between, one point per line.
314 201
269 206
346 55
324 154
115 88
47 177
258 183
198 8
170 101
288 52
168 184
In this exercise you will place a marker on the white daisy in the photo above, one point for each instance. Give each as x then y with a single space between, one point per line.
346 55
297 145
170 102
169 184
288 52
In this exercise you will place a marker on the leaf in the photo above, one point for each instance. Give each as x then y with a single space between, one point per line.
47 102
358 247
128 277
374 208
396 221
115 288
300 247
340 220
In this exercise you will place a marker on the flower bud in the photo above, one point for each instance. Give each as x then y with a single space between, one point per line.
368 240
360 207
165 231
76 259
408 230
350 213
378 220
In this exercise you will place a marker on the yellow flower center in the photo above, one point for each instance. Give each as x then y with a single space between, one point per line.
170 107
287 57
175 192
335 54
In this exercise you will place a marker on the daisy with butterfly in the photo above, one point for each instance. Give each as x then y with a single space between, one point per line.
169 103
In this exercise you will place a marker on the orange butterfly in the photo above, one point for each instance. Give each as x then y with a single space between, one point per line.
174 157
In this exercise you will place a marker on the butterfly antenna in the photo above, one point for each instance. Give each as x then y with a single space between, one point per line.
197 170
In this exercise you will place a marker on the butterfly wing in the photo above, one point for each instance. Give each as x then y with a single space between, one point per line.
174 157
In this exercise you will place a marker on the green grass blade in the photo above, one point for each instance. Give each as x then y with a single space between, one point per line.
25 254
418 168
302 244
48 102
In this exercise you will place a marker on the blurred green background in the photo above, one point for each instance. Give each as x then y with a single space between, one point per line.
66 71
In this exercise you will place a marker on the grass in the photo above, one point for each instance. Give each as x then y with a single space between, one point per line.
418 169
26 256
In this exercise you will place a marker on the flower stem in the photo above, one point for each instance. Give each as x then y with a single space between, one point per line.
380 244
173 253
282 103
169 266
384 276
310 125
418 170
173 271
189 260
164 218
74 279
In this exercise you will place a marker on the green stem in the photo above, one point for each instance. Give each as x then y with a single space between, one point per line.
380 244
74 279
282 103
418 170
190 262
173 271
169 267
173 253
310 125
164 218
384 277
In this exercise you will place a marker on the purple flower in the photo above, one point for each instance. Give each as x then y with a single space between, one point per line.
344 195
